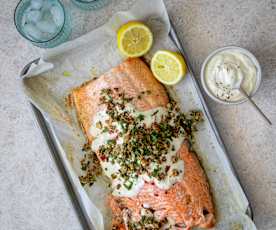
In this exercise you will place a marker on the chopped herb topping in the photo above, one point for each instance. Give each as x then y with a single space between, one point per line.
154 113
175 172
141 117
99 125
86 147
148 222
105 129
91 167
174 159
143 146
111 142
66 74
128 185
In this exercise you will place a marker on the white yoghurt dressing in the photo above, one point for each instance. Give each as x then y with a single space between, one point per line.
109 168
226 71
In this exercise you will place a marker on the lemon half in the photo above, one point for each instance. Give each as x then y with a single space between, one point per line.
168 67
134 39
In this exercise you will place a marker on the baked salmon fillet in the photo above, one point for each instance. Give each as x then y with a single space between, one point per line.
187 202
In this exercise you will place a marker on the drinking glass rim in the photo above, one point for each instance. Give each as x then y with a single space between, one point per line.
85 2
22 34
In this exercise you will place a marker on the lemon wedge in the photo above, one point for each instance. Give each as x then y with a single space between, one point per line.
134 39
168 67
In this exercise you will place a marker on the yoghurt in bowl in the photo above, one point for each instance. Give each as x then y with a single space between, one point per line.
226 68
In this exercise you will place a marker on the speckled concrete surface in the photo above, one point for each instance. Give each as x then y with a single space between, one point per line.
32 195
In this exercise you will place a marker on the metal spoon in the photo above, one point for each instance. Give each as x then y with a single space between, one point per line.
238 86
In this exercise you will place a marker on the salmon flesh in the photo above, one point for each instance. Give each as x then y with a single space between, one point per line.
188 202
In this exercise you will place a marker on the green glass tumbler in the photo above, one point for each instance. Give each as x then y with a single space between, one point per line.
90 4
45 23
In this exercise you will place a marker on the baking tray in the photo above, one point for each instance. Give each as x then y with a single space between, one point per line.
50 138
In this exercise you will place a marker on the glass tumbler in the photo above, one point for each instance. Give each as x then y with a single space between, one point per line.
44 23
90 4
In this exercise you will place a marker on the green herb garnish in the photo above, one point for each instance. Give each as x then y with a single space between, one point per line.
142 145
66 74
140 117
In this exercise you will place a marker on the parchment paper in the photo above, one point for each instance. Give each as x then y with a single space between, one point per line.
95 53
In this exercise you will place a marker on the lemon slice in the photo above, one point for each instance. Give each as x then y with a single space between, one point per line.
134 39
168 67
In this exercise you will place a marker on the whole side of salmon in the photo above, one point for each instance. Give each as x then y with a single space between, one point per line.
188 202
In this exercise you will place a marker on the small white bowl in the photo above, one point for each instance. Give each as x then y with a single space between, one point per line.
243 51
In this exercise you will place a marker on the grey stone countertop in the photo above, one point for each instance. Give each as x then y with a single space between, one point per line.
32 194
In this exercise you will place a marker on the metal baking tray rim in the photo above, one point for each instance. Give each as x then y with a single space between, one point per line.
47 132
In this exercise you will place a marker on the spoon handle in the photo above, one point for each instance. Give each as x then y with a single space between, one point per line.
255 106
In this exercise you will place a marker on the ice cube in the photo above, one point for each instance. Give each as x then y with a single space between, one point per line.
32 32
58 15
36 4
34 15
46 27
47 5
